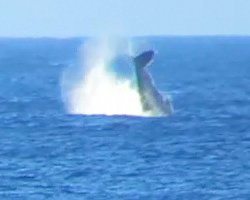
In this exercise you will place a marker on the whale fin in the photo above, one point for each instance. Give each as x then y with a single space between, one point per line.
144 59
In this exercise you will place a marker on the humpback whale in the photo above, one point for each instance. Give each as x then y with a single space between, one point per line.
152 100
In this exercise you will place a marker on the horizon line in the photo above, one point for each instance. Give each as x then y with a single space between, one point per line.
124 36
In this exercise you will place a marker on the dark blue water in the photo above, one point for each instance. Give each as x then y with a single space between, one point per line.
202 151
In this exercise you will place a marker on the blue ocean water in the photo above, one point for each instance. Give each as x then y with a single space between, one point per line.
202 151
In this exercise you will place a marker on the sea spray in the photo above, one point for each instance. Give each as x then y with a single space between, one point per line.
93 88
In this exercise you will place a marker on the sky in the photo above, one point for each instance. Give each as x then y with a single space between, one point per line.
70 18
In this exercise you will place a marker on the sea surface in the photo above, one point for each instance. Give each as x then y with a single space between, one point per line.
201 151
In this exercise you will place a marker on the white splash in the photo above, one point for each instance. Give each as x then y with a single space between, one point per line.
94 89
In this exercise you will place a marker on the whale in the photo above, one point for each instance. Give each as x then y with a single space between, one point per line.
152 100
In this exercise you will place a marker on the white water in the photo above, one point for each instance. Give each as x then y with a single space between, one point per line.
96 90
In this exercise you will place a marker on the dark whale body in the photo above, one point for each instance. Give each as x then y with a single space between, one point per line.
151 99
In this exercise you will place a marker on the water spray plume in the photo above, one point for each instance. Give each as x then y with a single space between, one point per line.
94 88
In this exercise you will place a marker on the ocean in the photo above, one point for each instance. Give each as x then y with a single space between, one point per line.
56 143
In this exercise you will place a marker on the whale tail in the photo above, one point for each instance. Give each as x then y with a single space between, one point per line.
144 59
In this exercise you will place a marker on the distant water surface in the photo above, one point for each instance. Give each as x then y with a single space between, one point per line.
200 152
